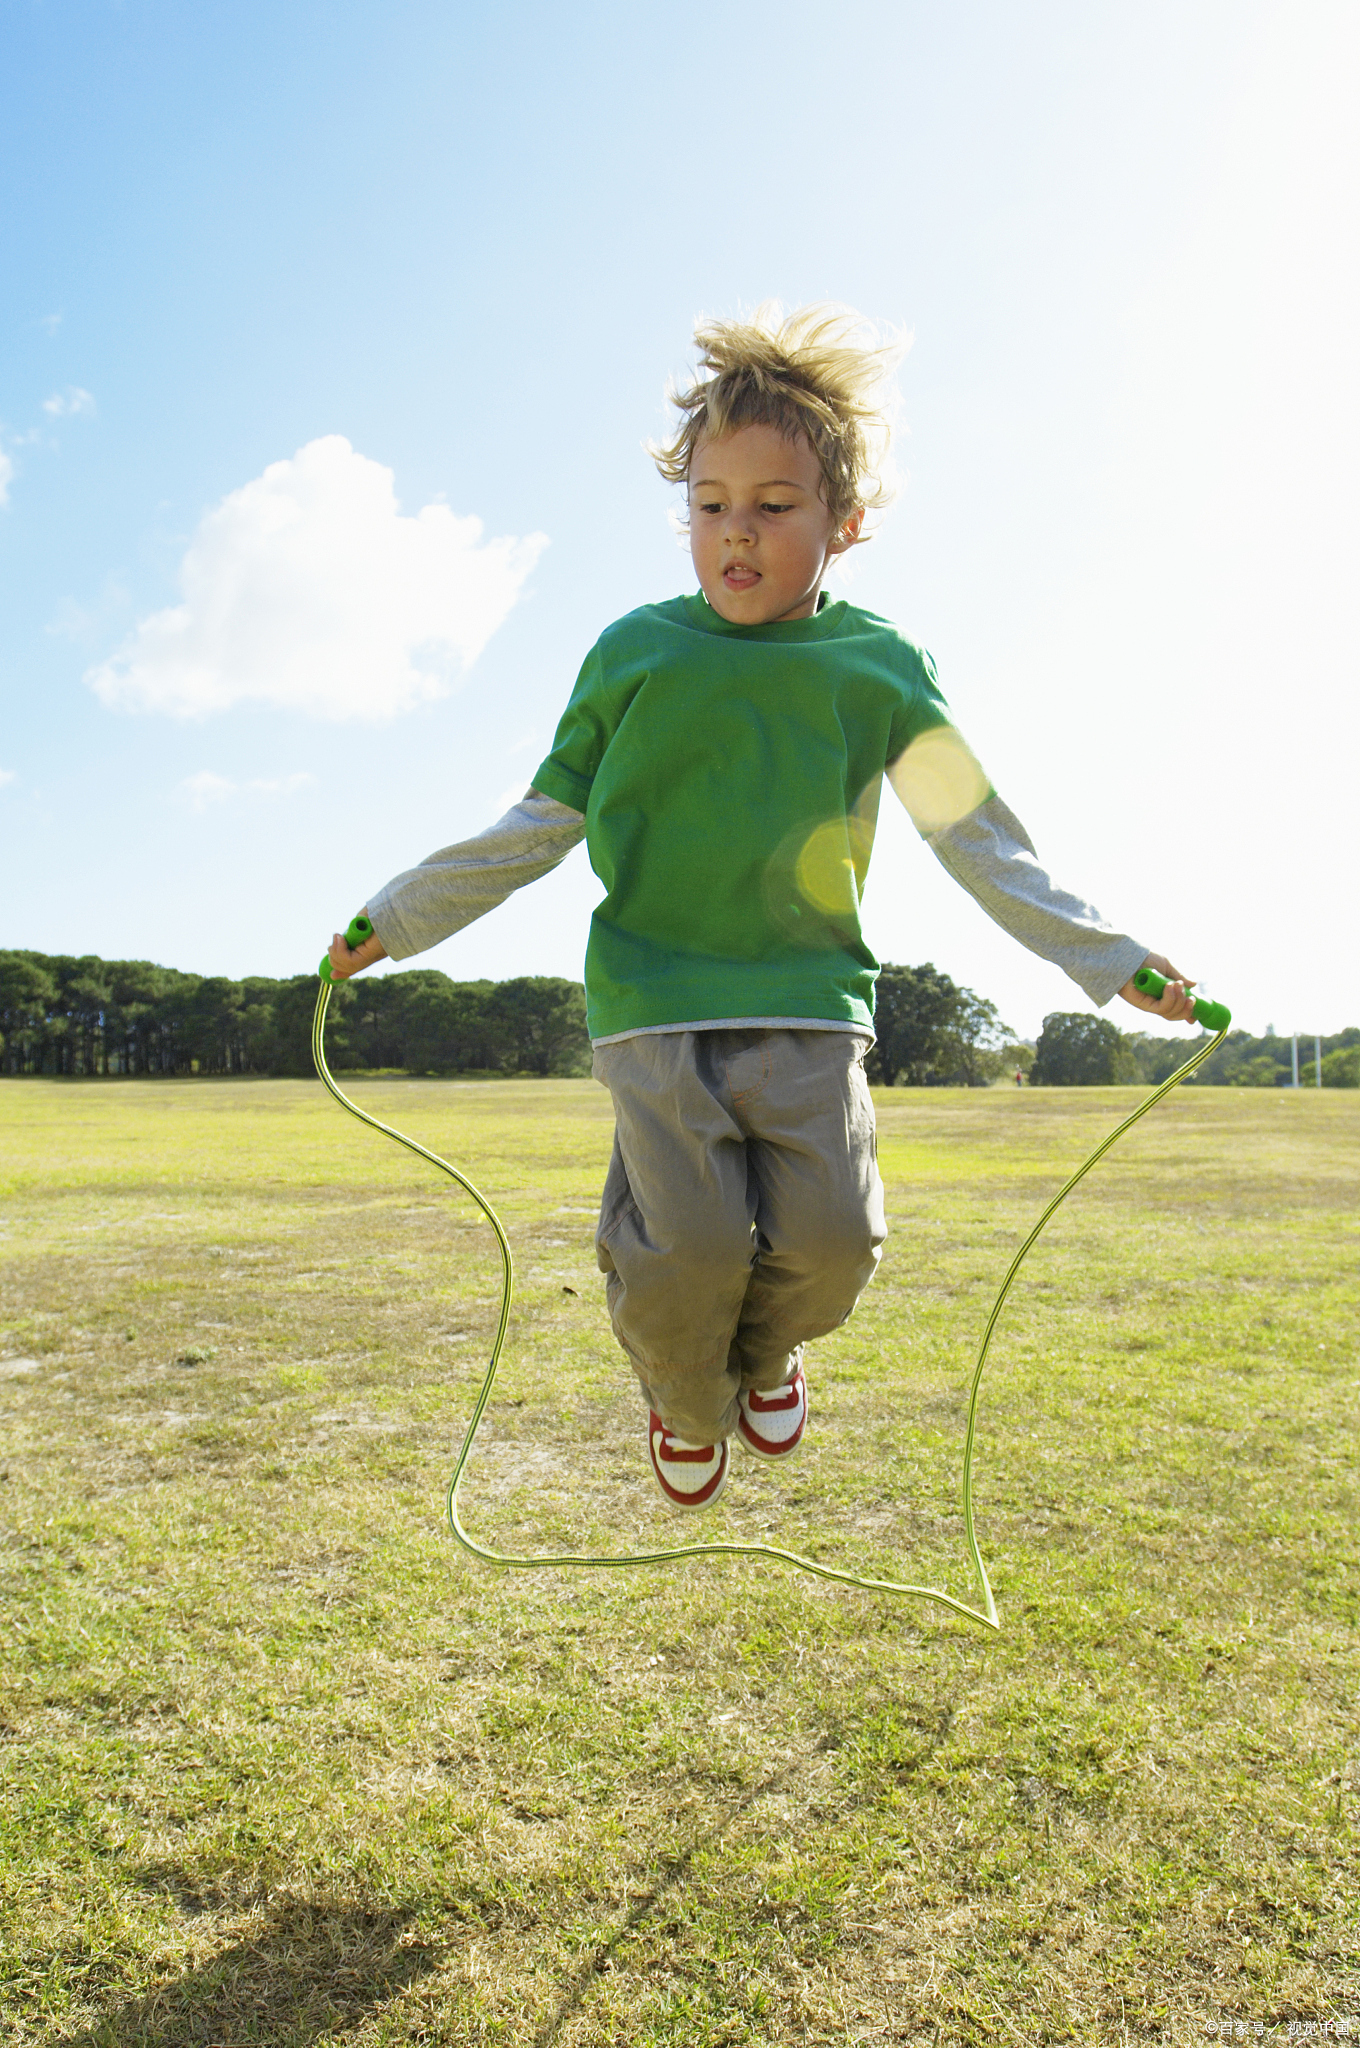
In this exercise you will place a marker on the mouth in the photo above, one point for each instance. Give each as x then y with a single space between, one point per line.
740 576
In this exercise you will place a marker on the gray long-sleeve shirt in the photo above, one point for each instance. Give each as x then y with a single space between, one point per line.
987 851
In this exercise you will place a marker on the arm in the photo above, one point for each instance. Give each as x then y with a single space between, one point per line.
983 845
451 888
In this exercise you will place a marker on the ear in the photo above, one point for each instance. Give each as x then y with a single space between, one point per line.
847 533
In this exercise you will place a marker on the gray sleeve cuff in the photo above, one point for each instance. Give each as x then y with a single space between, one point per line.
453 887
990 854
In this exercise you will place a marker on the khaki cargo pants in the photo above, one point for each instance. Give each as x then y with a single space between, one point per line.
742 1213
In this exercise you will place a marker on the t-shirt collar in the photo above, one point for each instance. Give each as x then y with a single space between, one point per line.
824 620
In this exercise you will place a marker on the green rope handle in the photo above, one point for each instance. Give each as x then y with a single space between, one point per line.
986 1613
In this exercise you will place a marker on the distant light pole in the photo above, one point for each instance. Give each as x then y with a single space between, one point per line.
1317 1057
1295 1043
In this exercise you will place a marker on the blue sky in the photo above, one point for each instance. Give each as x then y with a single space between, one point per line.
462 250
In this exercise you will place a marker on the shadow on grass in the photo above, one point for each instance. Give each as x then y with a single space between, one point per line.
308 1969
671 1876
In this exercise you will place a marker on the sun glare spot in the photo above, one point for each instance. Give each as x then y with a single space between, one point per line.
939 779
825 871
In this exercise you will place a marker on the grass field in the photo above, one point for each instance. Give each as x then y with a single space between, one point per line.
281 1765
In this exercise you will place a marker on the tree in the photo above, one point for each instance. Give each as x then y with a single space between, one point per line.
258 1025
148 1025
135 989
294 1008
448 1028
542 1024
970 1042
1260 1072
913 1009
28 993
213 1038
1341 1069
85 998
375 1034
1077 1051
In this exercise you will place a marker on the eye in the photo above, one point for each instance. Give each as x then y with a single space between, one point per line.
769 507
710 505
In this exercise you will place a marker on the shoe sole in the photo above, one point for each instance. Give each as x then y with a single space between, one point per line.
764 1452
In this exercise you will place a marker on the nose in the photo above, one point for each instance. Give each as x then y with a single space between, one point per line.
739 524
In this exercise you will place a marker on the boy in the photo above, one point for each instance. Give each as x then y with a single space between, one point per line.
722 755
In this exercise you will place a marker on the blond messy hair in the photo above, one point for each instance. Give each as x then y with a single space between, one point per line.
822 372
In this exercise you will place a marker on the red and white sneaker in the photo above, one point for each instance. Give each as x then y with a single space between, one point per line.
687 1475
772 1424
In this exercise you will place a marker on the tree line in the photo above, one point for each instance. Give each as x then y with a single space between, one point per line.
1077 1050
61 1014
65 1015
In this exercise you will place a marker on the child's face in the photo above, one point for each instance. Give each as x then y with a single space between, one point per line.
759 530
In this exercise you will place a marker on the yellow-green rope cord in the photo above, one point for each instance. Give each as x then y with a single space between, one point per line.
986 1613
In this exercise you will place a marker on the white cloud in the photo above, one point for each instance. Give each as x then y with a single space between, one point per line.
6 474
8 775
280 785
66 404
205 788
50 322
307 589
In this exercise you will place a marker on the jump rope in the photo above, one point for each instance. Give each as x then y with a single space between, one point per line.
1214 1017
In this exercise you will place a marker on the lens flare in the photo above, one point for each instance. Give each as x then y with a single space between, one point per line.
939 779
825 871
815 877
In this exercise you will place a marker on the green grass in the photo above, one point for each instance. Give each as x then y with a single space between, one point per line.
281 1765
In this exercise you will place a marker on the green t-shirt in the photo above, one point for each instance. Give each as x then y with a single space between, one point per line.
729 777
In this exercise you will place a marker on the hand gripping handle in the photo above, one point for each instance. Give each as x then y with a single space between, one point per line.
359 929
1213 1016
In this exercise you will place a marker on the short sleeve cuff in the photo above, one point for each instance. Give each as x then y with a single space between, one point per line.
552 779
